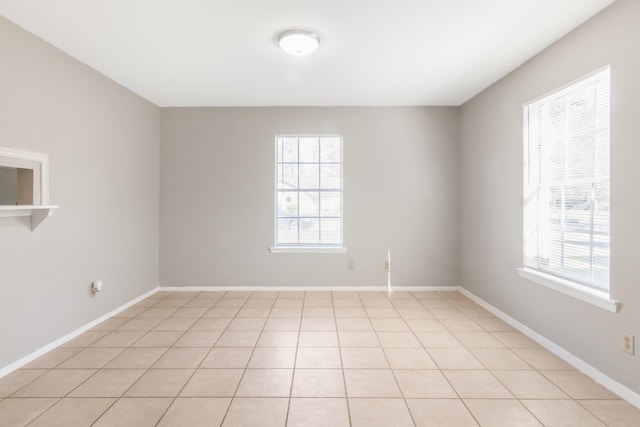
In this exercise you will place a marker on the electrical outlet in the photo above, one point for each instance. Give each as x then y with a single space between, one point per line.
96 286
629 343
351 264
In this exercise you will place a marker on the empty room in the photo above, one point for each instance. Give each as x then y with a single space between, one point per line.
334 213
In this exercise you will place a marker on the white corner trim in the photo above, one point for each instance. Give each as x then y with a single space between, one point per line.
309 250
608 382
42 160
305 288
71 335
583 293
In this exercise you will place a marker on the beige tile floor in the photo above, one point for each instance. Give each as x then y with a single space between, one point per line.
305 359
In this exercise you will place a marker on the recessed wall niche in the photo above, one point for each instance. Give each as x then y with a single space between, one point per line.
24 185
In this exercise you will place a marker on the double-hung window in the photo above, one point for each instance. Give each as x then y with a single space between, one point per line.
308 192
566 183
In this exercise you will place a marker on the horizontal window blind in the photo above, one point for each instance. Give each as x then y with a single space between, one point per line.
566 191
308 191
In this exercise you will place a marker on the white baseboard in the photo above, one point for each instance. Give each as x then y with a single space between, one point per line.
32 356
608 382
304 288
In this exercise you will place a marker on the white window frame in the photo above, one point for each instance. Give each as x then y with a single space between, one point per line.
305 247
586 292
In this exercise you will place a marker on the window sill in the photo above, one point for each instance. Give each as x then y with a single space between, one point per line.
567 287
308 250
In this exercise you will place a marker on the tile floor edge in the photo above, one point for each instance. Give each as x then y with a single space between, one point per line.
307 288
597 375
6 370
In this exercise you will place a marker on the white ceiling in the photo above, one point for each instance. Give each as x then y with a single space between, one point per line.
372 52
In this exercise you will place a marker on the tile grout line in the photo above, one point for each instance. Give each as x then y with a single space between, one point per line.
165 352
232 397
448 381
33 420
514 397
118 398
295 359
89 377
490 371
579 402
404 399
344 379
164 413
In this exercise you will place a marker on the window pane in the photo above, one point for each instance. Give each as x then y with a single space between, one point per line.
601 197
308 190
287 203
330 149
287 230
330 176
330 204
309 230
309 149
309 205
601 259
287 177
309 176
331 232
566 194
289 150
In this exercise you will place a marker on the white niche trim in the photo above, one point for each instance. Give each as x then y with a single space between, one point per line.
32 199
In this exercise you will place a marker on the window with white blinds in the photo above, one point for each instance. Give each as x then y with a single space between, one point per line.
308 191
566 182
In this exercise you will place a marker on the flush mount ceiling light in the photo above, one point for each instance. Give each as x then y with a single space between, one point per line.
298 42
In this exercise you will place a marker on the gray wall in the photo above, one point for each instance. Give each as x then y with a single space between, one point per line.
217 204
8 186
491 193
103 146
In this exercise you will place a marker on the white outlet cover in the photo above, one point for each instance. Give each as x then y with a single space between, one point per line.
629 343
96 286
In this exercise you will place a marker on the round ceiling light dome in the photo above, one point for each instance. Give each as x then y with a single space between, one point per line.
298 42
